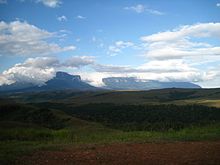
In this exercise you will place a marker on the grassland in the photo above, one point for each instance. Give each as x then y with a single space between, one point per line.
25 141
32 122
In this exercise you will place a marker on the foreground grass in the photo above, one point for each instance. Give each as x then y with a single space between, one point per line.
20 141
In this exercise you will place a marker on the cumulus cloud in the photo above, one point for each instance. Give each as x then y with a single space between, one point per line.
21 38
179 43
41 69
218 4
118 47
28 73
4 79
139 8
62 18
50 3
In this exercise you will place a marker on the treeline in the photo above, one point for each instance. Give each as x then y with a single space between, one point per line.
148 117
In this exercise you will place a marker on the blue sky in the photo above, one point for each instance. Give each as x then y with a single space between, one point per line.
148 39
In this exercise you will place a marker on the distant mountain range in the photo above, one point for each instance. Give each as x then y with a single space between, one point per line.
131 83
62 81
65 81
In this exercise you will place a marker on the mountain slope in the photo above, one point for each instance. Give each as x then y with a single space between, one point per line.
66 81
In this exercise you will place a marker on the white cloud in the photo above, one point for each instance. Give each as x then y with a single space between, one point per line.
201 30
123 44
180 49
139 8
218 4
5 80
42 62
94 78
212 78
118 46
50 3
154 12
3 1
166 66
62 18
80 17
79 61
178 42
21 38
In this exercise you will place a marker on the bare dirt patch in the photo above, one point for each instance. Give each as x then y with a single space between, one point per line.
195 153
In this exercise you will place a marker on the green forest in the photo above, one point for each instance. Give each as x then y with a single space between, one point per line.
148 117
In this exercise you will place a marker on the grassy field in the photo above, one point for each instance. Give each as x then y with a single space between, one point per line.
27 140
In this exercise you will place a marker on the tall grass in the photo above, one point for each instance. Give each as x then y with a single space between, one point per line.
102 134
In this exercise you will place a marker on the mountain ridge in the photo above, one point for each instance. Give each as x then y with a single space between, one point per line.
65 81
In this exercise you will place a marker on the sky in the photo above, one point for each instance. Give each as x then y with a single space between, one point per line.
148 39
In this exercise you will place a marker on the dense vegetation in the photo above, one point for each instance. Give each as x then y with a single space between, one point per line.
148 117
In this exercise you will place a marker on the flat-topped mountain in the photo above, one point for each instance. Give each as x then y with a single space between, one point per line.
131 83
